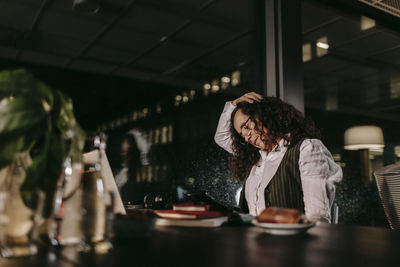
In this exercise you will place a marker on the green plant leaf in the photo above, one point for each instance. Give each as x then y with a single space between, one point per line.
23 120
44 172
20 82
68 125
33 116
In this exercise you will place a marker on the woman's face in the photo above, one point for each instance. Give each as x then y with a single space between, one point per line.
245 127
125 148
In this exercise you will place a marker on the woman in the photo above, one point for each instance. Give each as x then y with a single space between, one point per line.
278 157
134 155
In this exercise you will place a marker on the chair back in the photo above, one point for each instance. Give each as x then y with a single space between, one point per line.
388 183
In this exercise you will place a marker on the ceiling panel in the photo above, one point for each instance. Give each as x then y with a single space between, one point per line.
189 4
179 50
370 44
42 58
315 16
391 56
23 13
70 26
8 37
8 52
155 64
339 32
110 54
54 44
91 66
196 72
129 40
324 65
234 12
109 10
227 58
130 72
150 21
205 35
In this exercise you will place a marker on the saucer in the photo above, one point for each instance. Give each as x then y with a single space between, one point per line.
284 229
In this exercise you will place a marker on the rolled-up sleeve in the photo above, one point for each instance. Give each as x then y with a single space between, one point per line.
223 135
319 173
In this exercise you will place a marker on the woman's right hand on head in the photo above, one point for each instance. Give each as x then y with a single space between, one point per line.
248 97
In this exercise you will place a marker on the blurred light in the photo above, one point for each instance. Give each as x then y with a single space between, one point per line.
164 135
190 180
135 116
215 86
192 94
363 137
225 79
207 86
163 38
322 45
367 23
178 100
157 136
170 133
149 173
235 78
145 112
164 168
337 157
397 151
87 7
185 97
394 85
307 55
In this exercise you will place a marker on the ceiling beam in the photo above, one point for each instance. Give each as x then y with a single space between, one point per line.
108 27
216 48
194 15
164 38
356 111
35 23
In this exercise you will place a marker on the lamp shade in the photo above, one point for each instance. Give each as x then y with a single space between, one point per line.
363 137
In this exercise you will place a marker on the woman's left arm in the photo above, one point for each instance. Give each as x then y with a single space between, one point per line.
318 173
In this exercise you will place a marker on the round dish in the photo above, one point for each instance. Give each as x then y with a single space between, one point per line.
284 229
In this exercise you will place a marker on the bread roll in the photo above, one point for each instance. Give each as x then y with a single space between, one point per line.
280 215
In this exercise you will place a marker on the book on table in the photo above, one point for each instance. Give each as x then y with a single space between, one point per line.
191 207
212 222
187 215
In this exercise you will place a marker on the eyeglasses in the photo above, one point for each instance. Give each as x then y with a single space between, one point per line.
245 128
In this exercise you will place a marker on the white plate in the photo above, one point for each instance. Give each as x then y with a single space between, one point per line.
284 229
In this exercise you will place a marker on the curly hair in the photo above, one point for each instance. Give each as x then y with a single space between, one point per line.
282 121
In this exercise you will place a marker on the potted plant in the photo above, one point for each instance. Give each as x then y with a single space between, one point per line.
36 121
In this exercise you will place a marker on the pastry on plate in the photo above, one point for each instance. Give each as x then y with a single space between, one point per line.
280 215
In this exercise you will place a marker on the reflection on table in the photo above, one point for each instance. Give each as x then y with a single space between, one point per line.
323 245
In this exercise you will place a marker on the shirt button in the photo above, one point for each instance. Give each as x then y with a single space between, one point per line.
268 204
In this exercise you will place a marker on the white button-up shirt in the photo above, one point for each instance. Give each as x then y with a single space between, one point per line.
318 172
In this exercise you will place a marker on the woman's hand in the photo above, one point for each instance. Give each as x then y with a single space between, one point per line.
248 97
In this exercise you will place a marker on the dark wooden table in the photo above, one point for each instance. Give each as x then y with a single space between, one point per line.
324 245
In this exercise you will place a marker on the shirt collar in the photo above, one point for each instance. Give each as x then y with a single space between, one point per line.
282 149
